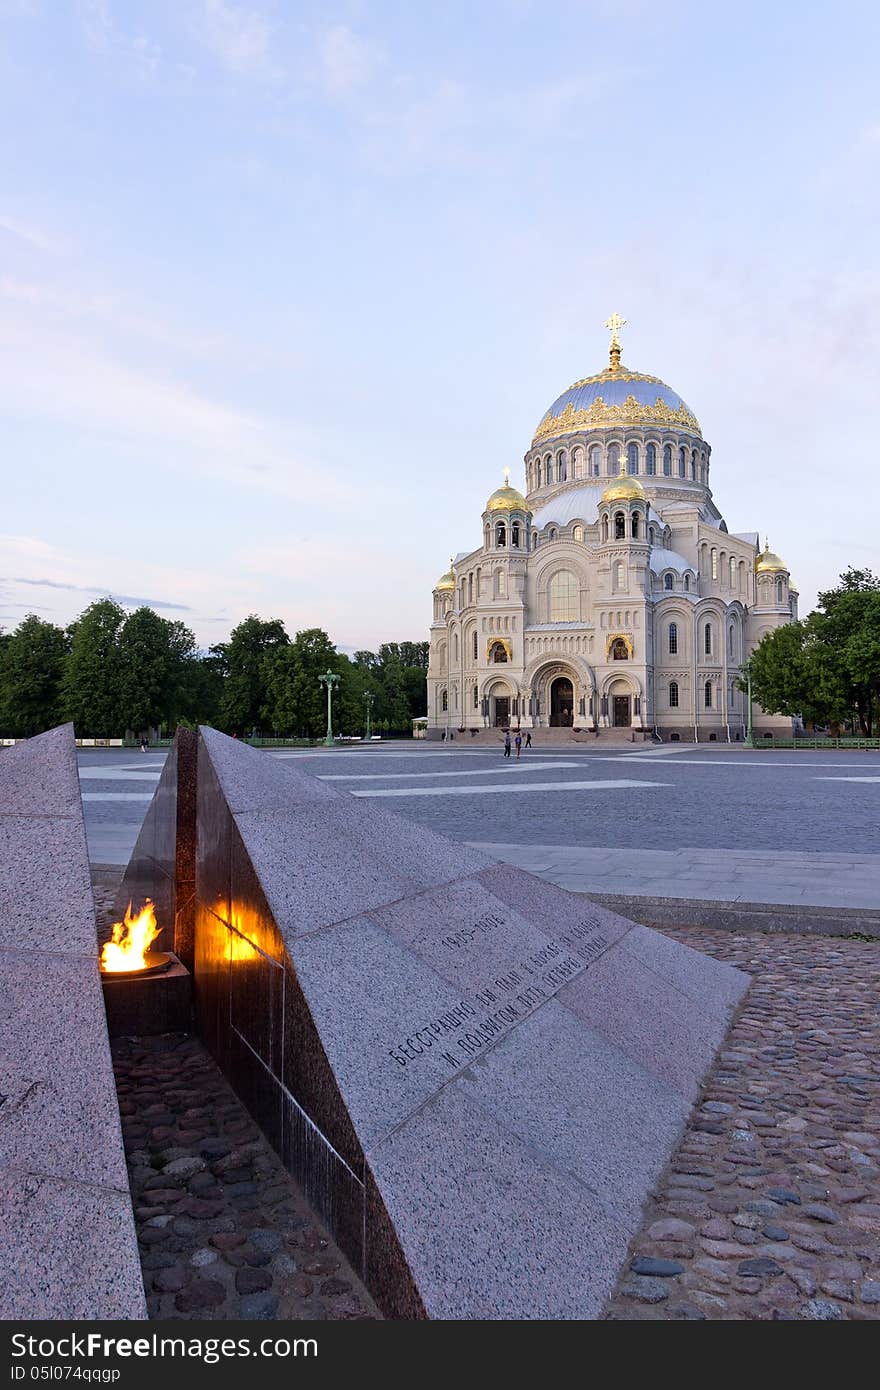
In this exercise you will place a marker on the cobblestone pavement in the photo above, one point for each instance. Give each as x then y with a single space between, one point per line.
224 1232
771 1206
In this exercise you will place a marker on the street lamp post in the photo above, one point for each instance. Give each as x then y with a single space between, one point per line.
329 679
749 741
369 697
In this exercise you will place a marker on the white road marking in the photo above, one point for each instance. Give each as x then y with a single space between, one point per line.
510 766
117 796
736 762
846 779
609 785
119 774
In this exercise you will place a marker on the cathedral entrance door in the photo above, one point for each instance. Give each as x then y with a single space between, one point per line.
621 712
561 703
502 711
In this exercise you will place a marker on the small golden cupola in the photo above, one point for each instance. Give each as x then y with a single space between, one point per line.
507 498
769 563
624 488
446 582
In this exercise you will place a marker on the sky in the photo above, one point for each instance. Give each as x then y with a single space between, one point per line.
284 287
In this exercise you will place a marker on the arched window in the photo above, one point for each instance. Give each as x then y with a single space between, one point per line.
444 701
476 698
552 533
733 571
779 590
501 583
714 563
619 650
613 465
514 534
682 455
687 583
548 469
534 540
707 694
498 653
619 576
577 463
604 528
707 639
651 459
619 526
595 460
537 475
561 469
694 464
730 638
668 581
651 534
673 639
470 588
578 533
667 460
476 646
501 534
673 694
563 601
455 646
634 526
632 458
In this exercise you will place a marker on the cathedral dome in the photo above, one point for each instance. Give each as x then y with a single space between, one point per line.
507 499
445 582
624 489
614 397
769 563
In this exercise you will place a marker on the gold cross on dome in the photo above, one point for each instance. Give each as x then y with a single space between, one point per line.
615 323
507 477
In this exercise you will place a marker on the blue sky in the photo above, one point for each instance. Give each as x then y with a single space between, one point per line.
284 287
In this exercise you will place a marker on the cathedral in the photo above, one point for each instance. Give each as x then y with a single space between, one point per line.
610 600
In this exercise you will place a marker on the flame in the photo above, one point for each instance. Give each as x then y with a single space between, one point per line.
131 940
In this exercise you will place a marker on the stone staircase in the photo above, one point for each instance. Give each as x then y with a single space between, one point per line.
554 738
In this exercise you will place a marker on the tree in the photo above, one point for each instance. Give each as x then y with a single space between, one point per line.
31 671
296 701
91 688
244 703
154 657
828 665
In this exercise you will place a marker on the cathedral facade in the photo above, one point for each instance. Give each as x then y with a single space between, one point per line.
611 595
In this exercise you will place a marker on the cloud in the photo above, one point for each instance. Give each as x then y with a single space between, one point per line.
102 34
240 38
134 600
32 235
347 61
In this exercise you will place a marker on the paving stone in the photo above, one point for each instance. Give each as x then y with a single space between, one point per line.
259 1305
800 1197
664 1269
252 1280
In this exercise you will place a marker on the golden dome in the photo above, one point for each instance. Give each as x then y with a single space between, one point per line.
768 563
507 498
624 488
446 581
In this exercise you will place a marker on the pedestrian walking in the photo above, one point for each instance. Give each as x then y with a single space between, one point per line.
528 739
518 742
507 743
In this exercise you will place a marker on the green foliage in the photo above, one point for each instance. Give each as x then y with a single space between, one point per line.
93 676
116 674
827 666
31 671
154 655
244 704
296 700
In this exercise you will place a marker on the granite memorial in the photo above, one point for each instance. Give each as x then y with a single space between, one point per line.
475 1076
